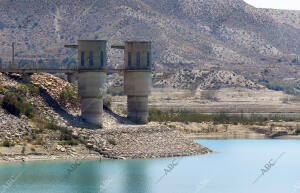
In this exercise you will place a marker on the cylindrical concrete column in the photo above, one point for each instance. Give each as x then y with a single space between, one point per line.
91 81
137 79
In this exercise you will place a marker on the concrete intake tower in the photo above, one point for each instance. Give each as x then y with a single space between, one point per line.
92 79
137 79
91 71
92 62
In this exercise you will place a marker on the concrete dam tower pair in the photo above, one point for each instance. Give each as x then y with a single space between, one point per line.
92 62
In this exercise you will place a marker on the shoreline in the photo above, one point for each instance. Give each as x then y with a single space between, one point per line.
133 142
216 137
94 157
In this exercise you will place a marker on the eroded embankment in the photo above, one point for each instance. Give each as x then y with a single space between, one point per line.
67 137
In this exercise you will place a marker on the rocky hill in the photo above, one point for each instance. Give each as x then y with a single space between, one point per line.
229 34
202 80
35 124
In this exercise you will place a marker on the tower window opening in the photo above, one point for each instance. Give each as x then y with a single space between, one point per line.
101 58
138 59
82 58
148 59
129 59
91 59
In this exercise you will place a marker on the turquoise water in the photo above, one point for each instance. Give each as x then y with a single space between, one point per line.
232 168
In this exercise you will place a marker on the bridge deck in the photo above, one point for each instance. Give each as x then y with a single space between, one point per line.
69 70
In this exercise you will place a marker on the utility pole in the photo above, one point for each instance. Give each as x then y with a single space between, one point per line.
13 54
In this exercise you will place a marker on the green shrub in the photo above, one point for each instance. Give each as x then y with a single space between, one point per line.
16 105
52 125
289 88
68 94
124 111
68 139
11 102
184 117
23 150
107 102
22 89
71 142
32 148
297 131
3 90
33 89
7 143
37 142
112 141
27 109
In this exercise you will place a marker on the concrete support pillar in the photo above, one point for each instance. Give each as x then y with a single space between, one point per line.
91 80
90 89
137 80
71 77
26 77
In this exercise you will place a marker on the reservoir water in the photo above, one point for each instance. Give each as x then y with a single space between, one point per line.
236 166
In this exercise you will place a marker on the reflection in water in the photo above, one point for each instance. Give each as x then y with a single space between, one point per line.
135 178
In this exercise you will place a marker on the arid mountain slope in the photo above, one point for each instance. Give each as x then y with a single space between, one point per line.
222 33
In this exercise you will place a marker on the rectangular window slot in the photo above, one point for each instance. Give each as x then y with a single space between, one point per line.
102 58
82 58
138 59
148 59
91 59
129 59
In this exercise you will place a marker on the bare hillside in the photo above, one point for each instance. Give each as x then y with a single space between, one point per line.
229 34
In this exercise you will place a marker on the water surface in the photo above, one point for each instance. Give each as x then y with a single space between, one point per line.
232 168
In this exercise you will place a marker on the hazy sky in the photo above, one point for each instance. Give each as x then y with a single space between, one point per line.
276 4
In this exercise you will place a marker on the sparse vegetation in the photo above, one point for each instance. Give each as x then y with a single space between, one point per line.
68 94
116 91
124 110
3 90
15 104
43 123
7 143
24 89
32 148
68 139
33 89
51 124
289 88
209 95
112 141
107 102
172 116
23 150
37 142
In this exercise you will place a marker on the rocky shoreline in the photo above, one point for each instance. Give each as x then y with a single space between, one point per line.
272 130
118 139
131 142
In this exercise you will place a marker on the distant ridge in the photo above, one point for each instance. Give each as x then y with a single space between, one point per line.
229 34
